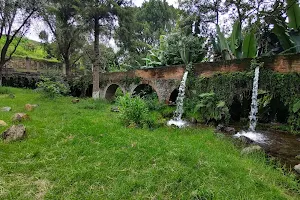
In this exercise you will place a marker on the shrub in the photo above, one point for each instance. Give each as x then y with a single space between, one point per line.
133 110
210 109
294 118
4 90
52 88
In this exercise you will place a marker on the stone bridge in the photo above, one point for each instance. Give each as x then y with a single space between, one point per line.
164 80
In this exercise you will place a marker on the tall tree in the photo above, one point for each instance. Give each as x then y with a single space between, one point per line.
15 17
101 16
140 28
61 18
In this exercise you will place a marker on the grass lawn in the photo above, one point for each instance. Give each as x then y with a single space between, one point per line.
82 151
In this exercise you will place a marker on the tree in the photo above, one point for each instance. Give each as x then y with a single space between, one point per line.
15 17
100 15
140 28
61 18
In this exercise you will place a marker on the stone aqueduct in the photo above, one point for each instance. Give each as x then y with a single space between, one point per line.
165 80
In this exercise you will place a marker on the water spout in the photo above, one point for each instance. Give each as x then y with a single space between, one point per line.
253 112
177 121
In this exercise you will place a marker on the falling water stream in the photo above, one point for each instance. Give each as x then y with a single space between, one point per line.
251 134
177 121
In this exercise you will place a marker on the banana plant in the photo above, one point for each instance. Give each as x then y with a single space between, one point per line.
236 40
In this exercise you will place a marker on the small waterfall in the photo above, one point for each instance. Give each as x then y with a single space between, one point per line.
251 134
177 121
253 111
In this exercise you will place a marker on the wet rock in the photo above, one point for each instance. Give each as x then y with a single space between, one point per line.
115 109
75 101
16 132
220 128
6 109
18 117
297 157
251 149
297 168
224 129
30 107
3 123
245 140
230 130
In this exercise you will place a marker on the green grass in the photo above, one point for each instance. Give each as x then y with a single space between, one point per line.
82 151
28 48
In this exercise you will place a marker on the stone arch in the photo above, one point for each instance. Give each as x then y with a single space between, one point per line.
110 91
173 96
143 89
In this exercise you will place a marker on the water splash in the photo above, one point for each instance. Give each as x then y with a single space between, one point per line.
253 112
177 121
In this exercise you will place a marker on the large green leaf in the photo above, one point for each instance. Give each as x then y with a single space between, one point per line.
284 37
295 37
296 107
249 46
236 40
293 13
223 45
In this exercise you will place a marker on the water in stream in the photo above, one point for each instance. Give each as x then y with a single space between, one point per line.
177 121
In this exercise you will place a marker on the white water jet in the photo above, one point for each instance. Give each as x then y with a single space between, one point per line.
253 112
251 134
177 121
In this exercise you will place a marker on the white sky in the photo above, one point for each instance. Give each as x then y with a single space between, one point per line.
37 26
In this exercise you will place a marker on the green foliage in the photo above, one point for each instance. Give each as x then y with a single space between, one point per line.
249 46
236 42
293 13
211 109
294 118
133 110
227 86
28 48
4 90
52 88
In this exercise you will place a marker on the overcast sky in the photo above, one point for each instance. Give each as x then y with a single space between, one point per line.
37 26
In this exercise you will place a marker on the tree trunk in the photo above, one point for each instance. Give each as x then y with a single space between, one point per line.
96 64
68 66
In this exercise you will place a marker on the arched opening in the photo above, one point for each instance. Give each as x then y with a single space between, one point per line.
4 82
144 91
235 109
112 91
173 97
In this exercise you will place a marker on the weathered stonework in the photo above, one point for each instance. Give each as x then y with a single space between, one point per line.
165 80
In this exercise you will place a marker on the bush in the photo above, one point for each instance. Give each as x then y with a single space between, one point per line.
210 109
52 88
4 90
134 110
294 118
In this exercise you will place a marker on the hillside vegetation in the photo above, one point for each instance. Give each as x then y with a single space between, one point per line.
28 48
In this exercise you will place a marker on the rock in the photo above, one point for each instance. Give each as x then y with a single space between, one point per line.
245 140
229 130
30 107
75 101
220 128
297 168
16 132
224 129
12 96
18 117
3 123
251 149
6 109
297 157
115 109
